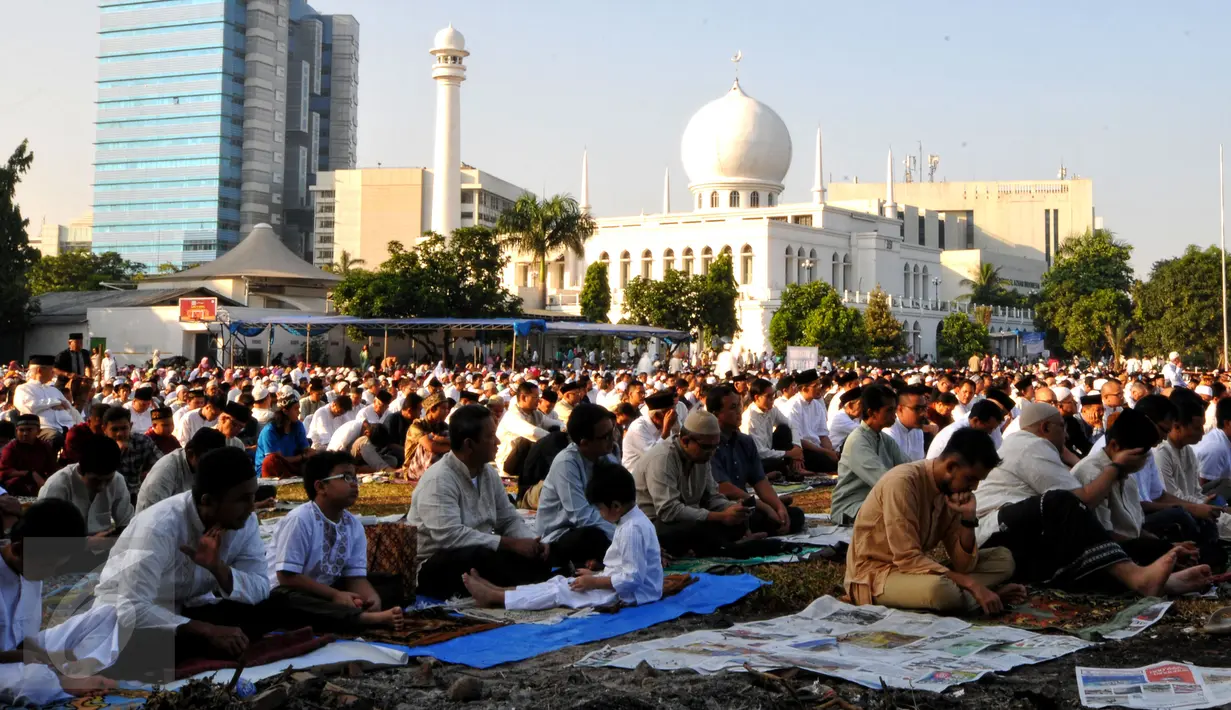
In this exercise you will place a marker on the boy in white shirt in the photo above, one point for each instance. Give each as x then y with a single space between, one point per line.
319 555
632 568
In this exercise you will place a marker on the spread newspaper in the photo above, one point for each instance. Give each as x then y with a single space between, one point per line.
1168 684
862 644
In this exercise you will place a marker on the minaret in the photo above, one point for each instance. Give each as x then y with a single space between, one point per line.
667 191
818 188
891 206
449 73
585 181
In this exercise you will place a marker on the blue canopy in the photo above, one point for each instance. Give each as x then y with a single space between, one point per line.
619 330
304 324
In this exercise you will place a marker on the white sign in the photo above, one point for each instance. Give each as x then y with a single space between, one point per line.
800 358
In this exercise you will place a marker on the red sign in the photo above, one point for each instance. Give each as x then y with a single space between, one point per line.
196 310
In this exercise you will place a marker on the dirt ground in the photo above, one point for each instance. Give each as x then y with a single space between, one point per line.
550 681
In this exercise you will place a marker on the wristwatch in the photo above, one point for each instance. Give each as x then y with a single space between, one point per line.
970 523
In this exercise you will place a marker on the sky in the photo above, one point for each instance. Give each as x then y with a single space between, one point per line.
1127 93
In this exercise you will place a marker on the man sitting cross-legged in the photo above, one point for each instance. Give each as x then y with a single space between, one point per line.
632 568
912 509
318 559
464 518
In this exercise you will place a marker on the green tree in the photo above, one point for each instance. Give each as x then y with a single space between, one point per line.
596 294
786 327
80 271
541 228
1086 265
986 286
1180 306
344 264
16 255
884 332
716 292
960 337
836 330
669 303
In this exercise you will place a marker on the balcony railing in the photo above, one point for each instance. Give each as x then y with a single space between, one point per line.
932 305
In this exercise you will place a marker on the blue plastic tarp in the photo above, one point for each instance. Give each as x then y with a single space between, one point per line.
518 642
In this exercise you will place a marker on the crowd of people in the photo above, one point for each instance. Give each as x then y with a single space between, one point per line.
1107 479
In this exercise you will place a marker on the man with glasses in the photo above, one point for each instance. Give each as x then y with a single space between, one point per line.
907 429
679 495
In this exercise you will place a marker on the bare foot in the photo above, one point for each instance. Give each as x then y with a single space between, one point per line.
484 594
1149 581
389 618
754 536
1012 594
1193 579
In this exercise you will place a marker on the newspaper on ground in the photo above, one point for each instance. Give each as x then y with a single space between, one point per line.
1139 623
1166 685
867 645
820 531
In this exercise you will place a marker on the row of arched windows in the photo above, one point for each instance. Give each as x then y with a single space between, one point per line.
688 263
754 199
916 283
913 335
805 267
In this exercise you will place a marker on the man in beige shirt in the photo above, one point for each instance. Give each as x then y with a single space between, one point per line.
915 507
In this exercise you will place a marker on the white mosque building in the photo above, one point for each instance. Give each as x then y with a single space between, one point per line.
736 151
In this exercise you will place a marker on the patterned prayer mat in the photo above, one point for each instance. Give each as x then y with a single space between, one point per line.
429 626
1088 616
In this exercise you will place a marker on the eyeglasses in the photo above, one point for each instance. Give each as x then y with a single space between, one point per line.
348 477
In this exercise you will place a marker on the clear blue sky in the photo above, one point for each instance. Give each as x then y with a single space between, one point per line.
1131 94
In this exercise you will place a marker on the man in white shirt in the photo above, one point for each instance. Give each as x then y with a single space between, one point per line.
845 382
380 410
847 417
262 397
173 474
39 397
522 422
571 394
1173 371
1214 453
761 420
188 575
1032 504
140 408
808 416
965 393
327 420
199 419
95 489
1180 471
648 429
985 416
907 428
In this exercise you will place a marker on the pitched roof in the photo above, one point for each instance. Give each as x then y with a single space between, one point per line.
60 307
259 255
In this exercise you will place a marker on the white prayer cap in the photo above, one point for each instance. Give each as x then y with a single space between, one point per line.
1062 393
1035 412
914 380
1173 356
702 423
1204 390
259 392
1098 384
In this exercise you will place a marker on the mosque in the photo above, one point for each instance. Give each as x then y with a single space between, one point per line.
736 151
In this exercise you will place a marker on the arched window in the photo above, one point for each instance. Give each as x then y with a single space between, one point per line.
707 256
926 283
647 264
813 267
754 200
915 291
626 264
916 340
668 261
605 260
726 250
790 266
745 265
801 264
846 271
688 261
714 199
833 277
905 280
699 200
772 201
733 199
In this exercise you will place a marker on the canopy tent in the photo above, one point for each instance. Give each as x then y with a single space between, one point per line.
618 330
304 324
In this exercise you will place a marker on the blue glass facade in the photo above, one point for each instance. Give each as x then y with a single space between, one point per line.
169 130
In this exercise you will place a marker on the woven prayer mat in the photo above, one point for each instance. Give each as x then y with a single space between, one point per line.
1084 615
429 626
391 551
67 593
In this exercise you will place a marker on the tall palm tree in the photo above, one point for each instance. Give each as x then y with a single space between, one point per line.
344 263
987 286
542 227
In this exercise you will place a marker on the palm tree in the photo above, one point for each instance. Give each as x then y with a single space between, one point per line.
542 227
344 263
987 286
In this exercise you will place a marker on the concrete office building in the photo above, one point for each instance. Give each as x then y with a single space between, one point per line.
192 130
361 211
56 239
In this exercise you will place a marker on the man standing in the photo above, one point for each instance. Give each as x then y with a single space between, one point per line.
913 509
74 361
38 396
907 429
110 367
1173 371
808 416
867 454
573 527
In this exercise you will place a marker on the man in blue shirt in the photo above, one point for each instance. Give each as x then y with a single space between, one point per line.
574 528
737 465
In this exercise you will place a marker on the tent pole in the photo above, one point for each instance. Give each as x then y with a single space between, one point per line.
513 364
307 347
385 354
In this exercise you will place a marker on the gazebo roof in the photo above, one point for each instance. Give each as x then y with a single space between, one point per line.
259 255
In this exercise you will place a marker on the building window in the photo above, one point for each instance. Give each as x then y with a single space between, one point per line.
940 231
688 261
745 266
647 264
707 256
1055 231
668 261
905 280
754 200
626 263
846 271
733 200
801 264
970 229
714 200
833 277
925 283
698 201
803 219
1047 236
772 200
790 266
916 290
922 230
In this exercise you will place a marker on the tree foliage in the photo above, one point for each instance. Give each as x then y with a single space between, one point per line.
344 264
987 287
813 314
80 271
884 332
541 228
702 305
596 294
459 277
1086 289
1180 307
16 254
960 337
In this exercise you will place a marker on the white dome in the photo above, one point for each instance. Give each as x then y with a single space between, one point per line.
736 139
449 38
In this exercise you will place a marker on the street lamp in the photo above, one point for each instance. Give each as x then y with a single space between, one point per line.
936 290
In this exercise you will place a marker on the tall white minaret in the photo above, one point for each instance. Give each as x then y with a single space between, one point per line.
667 191
449 73
818 187
585 182
891 206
